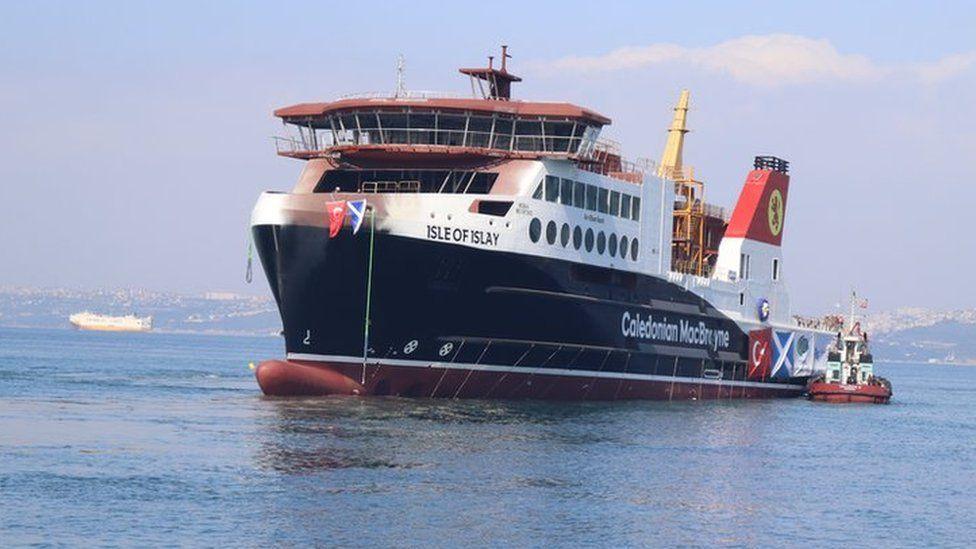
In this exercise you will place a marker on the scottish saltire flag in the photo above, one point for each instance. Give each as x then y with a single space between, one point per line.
782 354
357 211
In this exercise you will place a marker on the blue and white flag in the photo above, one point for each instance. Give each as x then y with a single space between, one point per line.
782 354
357 211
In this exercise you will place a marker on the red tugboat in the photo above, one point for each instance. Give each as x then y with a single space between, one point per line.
850 370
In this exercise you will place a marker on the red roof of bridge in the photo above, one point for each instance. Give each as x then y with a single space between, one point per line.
516 108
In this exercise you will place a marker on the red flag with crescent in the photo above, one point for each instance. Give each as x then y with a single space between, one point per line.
337 216
760 354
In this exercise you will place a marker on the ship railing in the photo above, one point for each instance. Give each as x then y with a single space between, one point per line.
409 186
718 212
405 95
321 139
830 323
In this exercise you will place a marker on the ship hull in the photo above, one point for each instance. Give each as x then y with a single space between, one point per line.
98 328
419 380
453 321
839 393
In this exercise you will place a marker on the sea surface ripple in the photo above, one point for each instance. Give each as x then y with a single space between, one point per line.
159 439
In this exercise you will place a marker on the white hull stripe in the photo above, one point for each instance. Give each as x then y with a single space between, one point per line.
542 371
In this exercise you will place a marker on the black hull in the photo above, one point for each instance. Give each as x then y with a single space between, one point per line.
475 310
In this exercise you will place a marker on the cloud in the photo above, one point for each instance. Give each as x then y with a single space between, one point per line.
768 60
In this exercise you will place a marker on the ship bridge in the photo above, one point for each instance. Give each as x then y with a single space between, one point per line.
440 129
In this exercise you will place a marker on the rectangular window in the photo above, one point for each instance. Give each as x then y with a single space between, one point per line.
591 194
614 203
566 192
503 134
625 206
635 215
775 269
538 191
602 201
579 194
552 188
744 266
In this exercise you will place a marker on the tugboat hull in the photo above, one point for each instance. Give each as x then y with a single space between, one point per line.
836 392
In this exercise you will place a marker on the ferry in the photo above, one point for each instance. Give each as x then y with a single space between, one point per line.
487 247
106 323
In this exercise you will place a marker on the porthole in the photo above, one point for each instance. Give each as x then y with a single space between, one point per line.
601 243
551 232
623 247
577 237
564 235
535 229
633 249
589 240
612 245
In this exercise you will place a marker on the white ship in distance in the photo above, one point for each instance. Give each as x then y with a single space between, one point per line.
128 323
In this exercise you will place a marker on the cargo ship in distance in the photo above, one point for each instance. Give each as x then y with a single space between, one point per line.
486 247
106 323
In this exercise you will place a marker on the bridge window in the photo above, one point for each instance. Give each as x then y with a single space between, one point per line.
410 125
566 192
591 194
479 131
528 135
602 200
498 208
614 203
502 136
579 194
635 215
625 206
537 194
552 188
406 181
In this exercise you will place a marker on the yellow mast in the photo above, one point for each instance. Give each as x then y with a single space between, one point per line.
670 165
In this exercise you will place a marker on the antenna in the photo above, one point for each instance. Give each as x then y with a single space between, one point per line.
401 85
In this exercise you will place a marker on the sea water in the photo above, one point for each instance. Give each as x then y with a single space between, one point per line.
136 439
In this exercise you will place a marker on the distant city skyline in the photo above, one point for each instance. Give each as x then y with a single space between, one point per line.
136 136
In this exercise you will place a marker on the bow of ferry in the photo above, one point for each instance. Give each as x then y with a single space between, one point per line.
492 248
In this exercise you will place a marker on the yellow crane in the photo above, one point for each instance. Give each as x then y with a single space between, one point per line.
688 236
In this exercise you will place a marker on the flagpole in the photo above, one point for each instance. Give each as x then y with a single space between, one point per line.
369 291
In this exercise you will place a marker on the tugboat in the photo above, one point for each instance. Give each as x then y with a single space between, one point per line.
849 376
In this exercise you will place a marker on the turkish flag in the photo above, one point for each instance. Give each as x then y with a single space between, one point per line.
337 216
760 354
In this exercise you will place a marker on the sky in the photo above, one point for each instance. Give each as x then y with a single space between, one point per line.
135 136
